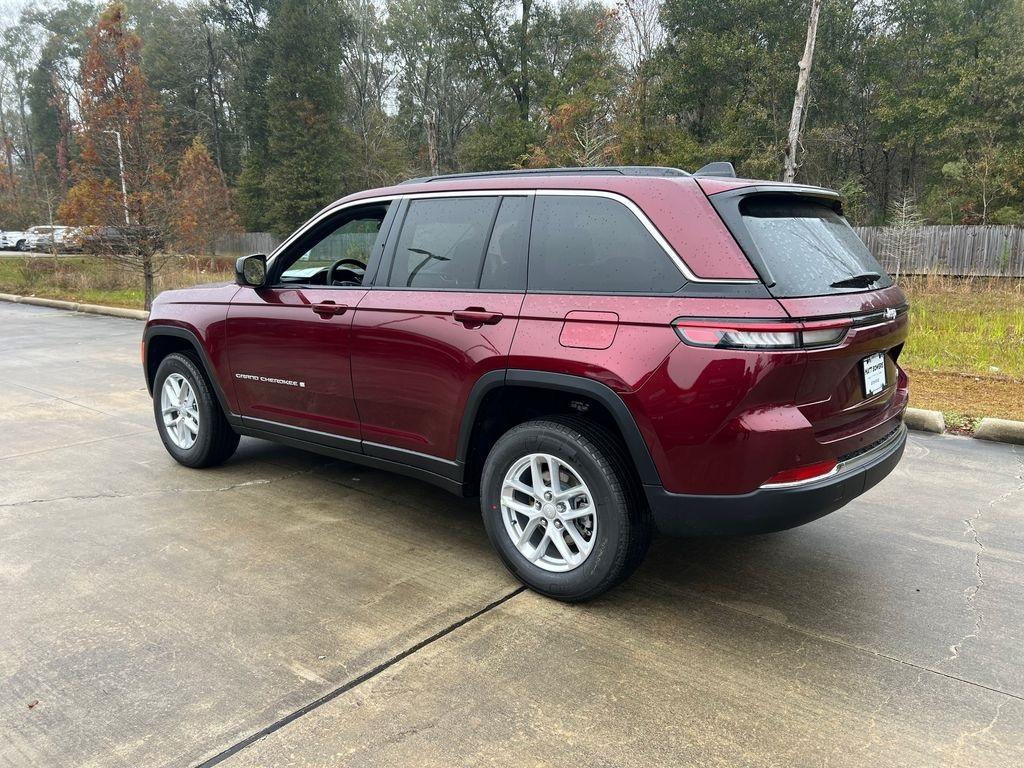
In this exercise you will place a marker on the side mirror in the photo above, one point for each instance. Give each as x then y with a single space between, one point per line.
251 270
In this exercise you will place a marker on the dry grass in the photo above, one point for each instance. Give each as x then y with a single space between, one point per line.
100 281
965 353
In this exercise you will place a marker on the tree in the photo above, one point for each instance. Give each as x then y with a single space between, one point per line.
305 134
202 202
796 120
122 143
903 236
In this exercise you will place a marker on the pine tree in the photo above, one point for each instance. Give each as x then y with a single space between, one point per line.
307 141
202 202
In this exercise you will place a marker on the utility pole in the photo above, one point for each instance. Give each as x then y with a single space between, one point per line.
124 187
800 102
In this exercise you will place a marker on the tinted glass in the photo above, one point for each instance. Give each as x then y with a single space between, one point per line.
505 262
596 245
442 243
808 247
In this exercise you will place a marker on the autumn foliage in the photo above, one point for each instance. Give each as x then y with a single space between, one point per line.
202 202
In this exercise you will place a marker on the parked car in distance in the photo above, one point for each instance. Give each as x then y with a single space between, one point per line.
112 240
11 240
48 238
598 354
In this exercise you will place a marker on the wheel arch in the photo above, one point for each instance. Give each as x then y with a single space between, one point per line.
477 432
162 340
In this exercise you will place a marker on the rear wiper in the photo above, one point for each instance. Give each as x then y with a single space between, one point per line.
857 281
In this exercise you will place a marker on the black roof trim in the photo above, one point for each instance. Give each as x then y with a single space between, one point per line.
610 170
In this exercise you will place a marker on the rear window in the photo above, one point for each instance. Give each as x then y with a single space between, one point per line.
808 248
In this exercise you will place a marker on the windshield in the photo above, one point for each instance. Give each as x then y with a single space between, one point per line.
808 248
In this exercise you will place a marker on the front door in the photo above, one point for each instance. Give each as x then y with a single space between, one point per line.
289 344
442 314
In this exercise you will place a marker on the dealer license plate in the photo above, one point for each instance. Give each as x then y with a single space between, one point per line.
874 374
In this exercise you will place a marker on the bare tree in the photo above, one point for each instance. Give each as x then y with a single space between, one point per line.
796 121
904 235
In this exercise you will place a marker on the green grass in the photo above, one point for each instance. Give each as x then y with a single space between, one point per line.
966 326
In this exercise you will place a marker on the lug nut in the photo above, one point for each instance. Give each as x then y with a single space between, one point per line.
558 523
547 496
561 507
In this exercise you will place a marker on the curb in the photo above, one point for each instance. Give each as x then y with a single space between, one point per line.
925 421
1000 431
74 306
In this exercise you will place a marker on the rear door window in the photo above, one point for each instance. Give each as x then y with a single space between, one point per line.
807 248
442 242
584 244
505 261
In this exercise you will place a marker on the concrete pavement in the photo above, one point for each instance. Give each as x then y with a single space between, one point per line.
286 609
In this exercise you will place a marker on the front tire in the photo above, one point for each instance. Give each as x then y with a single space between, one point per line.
562 508
189 418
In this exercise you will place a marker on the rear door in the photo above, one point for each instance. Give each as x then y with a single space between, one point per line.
442 314
818 269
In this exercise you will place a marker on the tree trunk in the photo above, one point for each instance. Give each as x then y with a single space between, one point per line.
147 281
432 142
524 59
800 102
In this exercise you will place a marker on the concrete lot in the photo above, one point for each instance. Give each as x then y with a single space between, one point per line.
289 610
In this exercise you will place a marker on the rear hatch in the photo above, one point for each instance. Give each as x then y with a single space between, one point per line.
814 264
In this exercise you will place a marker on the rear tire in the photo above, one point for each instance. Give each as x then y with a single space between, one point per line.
604 546
191 423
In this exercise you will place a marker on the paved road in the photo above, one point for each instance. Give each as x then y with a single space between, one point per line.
153 615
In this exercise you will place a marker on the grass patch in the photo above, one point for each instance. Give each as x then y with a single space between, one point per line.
966 326
965 354
95 280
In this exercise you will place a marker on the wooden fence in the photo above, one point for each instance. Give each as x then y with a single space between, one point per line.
244 243
948 250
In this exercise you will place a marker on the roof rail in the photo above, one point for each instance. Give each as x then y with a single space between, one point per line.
717 169
610 170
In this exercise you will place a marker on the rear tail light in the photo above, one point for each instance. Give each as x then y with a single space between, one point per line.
802 474
761 334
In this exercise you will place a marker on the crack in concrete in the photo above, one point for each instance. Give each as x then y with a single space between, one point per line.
159 491
963 737
355 682
971 593
851 646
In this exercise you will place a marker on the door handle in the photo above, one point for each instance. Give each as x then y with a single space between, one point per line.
327 309
474 317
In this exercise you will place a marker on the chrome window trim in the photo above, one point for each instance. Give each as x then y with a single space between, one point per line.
328 211
622 199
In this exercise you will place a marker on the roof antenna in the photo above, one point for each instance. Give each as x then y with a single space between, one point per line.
717 169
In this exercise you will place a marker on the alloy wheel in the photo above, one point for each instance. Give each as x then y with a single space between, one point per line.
180 410
549 512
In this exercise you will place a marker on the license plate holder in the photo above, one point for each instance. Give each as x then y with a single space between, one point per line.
873 374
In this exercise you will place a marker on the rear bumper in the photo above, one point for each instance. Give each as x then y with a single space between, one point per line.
774 508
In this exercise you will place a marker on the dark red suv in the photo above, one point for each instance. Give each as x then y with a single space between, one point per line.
596 353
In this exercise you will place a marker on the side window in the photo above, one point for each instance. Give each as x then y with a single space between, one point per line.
349 236
595 245
505 260
441 244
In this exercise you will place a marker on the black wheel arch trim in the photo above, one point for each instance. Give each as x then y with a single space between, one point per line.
154 331
563 382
